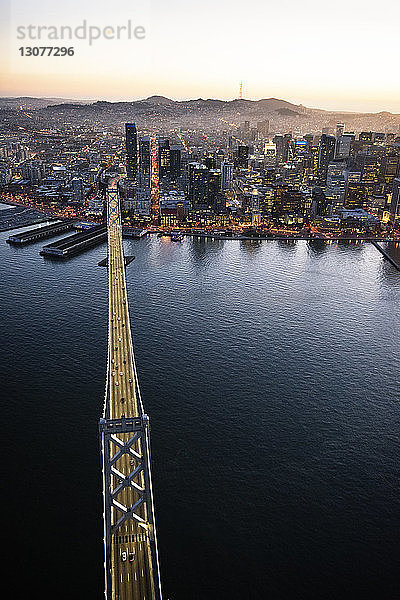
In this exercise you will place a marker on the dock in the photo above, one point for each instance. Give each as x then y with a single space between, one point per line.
76 243
40 233
132 232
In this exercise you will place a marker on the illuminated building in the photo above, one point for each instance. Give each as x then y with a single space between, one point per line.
366 139
215 199
282 147
288 202
198 186
370 163
131 150
226 175
326 154
357 219
77 189
210 160
336 185
343 146
379 138
242 157
269 154
395 203
339 130
144 161
391 168
164 158
356 195
309 139
300 148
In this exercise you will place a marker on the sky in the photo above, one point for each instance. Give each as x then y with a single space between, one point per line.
341 55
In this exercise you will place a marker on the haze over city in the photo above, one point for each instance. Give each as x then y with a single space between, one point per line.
341 56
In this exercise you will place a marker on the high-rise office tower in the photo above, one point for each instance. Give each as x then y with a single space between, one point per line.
391 166
395 204
144 161
131 150
175 156
300 149
371 165
226 175
270 154
366 138
326 155
213 189
336 184
204 188
210 160
282 147
379 138
197 185
339 130
164 158
243 157
309 139
343 146
77 189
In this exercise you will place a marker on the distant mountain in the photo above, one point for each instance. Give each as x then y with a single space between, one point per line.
33 103
158 100
211 112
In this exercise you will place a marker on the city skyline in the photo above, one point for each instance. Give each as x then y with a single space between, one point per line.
342 59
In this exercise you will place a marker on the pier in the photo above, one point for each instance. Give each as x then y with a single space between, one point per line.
133 232
76 243
40 233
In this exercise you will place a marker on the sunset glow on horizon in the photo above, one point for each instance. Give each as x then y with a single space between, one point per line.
343 56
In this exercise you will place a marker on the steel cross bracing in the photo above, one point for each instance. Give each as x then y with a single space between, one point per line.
130 544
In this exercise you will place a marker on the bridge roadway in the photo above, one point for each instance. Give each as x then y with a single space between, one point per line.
131 559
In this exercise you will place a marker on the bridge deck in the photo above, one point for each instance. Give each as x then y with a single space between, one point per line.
130 552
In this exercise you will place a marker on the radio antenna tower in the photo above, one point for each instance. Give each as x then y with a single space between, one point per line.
241 91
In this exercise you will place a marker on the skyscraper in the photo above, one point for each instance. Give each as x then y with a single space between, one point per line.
198 185
326 154
131 150
339 130
175 162
243 156
343 146
395 204
164 158
144 161
336 184
226 175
